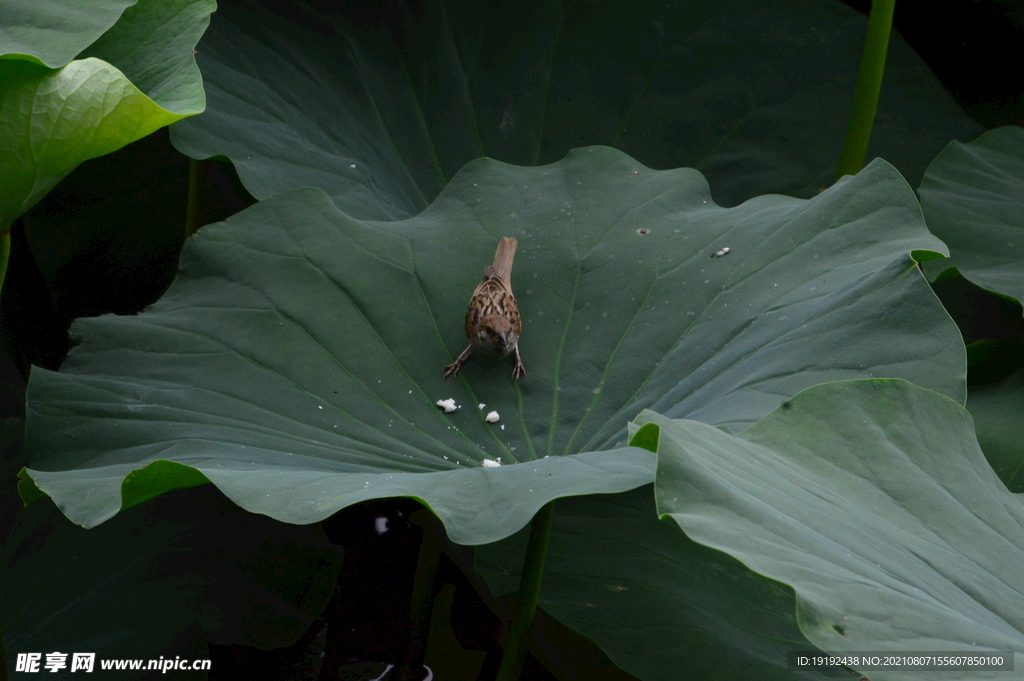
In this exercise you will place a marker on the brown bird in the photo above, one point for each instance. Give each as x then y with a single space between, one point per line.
492 320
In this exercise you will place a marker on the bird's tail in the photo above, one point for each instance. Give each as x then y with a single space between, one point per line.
503 258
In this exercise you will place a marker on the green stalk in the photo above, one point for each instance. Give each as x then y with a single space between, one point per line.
196 177
869 84
529 594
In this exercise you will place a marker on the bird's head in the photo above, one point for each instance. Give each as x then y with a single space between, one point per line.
496 336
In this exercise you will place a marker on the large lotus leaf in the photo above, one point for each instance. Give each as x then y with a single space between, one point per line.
51 32
138 77
676 604
381 105
874 502
996 410
165 578
972 196
296 361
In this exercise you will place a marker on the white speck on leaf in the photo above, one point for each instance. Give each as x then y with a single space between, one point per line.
492 417
448 405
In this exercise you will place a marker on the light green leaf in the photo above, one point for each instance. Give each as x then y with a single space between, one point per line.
873 501
297 360
152 45
53 119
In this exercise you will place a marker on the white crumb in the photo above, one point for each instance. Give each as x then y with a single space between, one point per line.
724 251
481 406
491 463
503 426
492 417
448 405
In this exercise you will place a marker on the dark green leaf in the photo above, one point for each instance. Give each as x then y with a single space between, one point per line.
297 360
997 411
162 579
653 600
379 105
51 32
973 199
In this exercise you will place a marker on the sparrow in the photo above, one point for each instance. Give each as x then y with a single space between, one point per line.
492 320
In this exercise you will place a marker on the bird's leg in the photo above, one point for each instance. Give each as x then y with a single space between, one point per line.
453 368
517 365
